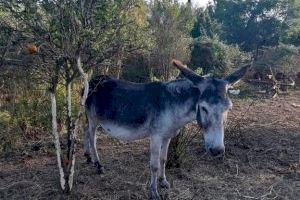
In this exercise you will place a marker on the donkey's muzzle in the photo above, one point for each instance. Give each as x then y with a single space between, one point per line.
216 151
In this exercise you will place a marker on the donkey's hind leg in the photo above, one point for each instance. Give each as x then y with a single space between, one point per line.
87 145
93 147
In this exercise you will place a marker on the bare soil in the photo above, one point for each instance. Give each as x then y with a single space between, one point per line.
262 161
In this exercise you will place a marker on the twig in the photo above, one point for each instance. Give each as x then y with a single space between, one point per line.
237 170
247 156
245 196
271 190
295 105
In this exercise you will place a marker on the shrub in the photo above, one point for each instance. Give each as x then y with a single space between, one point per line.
177 153
216 57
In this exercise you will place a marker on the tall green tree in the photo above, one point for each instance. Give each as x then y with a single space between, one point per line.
171 24
205 25
292 33
251 24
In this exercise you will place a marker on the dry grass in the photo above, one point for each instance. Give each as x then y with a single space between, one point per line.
178 148
262 161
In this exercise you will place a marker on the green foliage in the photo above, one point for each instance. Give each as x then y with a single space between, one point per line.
251 24
178 149
205 25
23 117
136 69
199 71
7 138
213 56
292 32
171 24
282 58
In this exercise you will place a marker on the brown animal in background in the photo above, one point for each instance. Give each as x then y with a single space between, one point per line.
32 49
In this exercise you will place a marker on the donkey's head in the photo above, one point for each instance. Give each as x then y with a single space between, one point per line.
213 104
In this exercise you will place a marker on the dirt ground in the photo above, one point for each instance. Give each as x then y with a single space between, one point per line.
262 161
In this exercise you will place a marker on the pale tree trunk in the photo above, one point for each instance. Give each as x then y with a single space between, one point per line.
70 169
70 160
84 76
56 140
119 62
55 134
66 165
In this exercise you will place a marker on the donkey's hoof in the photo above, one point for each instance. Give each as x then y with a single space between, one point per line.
154 195
164 184
100 168
100 171
88 158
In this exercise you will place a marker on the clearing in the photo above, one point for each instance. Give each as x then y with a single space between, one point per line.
262 161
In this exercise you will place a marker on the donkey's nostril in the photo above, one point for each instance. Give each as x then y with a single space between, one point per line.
216 151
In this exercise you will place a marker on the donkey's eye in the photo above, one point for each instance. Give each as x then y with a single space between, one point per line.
204 109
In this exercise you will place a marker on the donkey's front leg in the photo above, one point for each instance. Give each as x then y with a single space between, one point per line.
163 159
155 148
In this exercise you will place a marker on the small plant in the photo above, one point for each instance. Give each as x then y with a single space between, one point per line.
9 135
178 148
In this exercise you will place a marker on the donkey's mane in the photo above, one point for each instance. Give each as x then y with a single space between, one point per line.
178 85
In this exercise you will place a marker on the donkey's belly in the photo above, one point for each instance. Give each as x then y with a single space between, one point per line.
123 132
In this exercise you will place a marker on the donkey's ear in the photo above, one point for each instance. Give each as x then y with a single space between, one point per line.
236 76
186 72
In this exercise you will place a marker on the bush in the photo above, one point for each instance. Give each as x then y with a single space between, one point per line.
216 57
282 58
136 69
27 115
9 134
177 153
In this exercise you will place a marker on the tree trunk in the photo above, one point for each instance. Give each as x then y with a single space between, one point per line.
66 165
70 160
75 129
56 140
119 62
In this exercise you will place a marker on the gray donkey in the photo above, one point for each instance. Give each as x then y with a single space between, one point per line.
157 110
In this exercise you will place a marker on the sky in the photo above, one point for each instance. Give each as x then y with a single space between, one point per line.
196 3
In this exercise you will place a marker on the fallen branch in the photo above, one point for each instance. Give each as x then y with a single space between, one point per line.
270 82
295 105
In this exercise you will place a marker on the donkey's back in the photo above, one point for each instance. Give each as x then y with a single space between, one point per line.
124 104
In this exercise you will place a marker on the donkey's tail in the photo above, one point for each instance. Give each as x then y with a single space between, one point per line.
94 85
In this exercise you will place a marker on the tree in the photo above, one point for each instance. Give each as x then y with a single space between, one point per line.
57 42
171 24
205 25
292 32
214 56
133 37
251 24
282 58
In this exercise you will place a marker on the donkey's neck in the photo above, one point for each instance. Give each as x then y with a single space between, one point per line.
181 101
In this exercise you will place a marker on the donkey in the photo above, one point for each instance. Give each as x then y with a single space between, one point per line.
157 110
